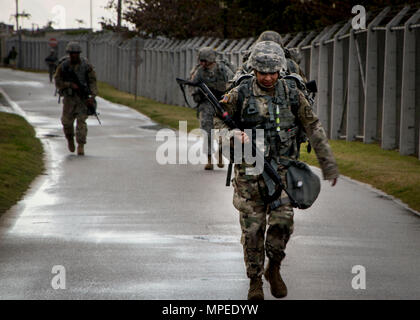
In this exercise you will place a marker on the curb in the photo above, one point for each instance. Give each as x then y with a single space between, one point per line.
15 107
377 191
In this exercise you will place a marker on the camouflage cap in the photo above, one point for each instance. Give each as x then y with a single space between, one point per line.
270 36
207 53
73 46
267 57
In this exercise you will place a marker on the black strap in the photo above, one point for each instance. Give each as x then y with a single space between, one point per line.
229 174
185 97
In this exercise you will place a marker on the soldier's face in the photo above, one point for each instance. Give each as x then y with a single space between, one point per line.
267 80
74 57
206 64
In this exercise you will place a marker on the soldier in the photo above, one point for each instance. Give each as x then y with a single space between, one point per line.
75 79
51 61
215 74
292 65
253 103
11 58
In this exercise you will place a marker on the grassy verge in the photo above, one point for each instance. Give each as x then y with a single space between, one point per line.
21 159
167 115
385 170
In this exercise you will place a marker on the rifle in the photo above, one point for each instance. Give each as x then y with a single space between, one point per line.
84 94
277 185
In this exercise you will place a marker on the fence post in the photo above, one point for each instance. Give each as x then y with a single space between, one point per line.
285 38
408 90
323 79
371 95
389 114
338 87
295 40
353 98
313 73
301 44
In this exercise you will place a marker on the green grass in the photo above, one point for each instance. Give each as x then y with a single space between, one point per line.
164 114
21 159
385 170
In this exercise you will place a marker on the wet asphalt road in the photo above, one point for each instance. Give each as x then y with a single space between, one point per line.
125 227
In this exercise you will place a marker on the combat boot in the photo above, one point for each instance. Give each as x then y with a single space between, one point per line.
70 143
255 291
272 275
209 165
80 150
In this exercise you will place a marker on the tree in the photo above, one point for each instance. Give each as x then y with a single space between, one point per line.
80 22
176 18
236 18
49 25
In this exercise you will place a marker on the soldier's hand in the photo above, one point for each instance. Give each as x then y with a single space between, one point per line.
241 136
333 182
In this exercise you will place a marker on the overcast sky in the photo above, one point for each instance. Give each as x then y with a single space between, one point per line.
63 12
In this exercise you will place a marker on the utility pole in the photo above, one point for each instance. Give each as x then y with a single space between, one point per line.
91 26
19 60
119 15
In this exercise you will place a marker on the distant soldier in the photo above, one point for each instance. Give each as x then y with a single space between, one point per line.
276 105
51 61
11 57
75 79
215 74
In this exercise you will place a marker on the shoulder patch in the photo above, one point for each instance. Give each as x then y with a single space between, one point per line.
308 112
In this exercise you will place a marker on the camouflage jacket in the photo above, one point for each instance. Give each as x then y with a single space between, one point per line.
84 71
216 78
234 102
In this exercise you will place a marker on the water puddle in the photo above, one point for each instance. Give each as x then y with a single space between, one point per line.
34 84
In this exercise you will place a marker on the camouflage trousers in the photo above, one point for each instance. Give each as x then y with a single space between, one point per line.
254 214
74 109
206 115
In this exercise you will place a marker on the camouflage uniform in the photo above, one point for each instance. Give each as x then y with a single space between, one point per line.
250 190
74 108
51 61
216 78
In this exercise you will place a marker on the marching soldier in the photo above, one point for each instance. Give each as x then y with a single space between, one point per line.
75 79
278 106
215 74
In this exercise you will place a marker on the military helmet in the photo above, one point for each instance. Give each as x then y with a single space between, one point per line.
270 36
73 46
207 53
267 57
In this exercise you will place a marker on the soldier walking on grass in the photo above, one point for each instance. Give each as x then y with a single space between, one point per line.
75 80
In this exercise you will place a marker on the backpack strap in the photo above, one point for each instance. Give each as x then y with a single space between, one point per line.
292 94
244 92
